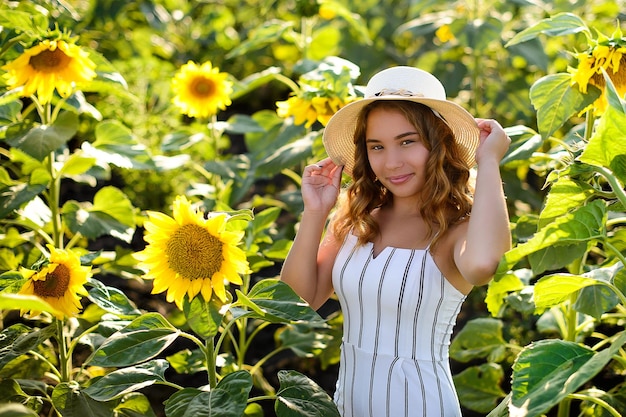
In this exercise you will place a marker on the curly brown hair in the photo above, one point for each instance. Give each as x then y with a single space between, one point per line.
448 184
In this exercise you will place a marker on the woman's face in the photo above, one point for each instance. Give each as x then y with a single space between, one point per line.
396 152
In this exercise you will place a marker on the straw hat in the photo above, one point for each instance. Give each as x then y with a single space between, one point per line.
400 83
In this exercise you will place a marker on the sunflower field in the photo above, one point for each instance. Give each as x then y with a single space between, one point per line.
151 154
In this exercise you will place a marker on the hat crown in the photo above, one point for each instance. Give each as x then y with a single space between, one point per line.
405 82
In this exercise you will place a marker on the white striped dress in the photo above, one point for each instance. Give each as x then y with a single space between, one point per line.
399 312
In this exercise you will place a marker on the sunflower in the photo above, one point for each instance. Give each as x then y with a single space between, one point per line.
200 90
308 111
608 54
49 65
189 255
60 282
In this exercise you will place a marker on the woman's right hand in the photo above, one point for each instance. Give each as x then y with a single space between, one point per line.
320 186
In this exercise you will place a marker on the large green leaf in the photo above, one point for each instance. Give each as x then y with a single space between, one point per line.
554 289
10 301
227 399
116 145
19 339
273 300
40 140
555 257
134 405
303 339
16 410
127 380
607 146
299 396
557 25
288 156
499 288
266 34
204 318
15 195
584 224
479 338
479 387
69 401
112 300
549 370
565 196
556 101
111 214
598 299
141 340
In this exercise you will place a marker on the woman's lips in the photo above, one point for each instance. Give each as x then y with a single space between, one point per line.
399 179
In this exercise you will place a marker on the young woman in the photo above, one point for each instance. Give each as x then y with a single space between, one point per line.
410 238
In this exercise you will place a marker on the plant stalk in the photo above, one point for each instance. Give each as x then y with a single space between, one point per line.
65 359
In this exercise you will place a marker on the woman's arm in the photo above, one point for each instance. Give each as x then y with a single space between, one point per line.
487 236
308 266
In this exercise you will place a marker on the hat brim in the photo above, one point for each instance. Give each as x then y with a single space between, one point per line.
338 134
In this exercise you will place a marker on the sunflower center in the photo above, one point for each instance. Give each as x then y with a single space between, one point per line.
56 283
203 87
194 253
49 60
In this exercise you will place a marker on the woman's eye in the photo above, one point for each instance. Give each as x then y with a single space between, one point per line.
407 141
376 147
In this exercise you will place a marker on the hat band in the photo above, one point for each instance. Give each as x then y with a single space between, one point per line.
402 92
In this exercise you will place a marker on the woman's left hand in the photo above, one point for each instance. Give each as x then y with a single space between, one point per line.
494 142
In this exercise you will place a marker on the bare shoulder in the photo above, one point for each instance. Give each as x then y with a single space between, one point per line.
444 256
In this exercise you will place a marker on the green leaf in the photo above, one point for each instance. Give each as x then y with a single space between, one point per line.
25 302
69 401
556 257
77 164
242 124
40 140
615 100
13 197
304 340
134 405
116 145
607 146
584 224
266 34
16 410
598 299
479 338
188 362
299 396
203 317
556 101
111 214
265 219
112 300
479 387
565 196
288 156
19 339
557 25
549 370
498 289
127 380
554 289
143 339
276 302
227 399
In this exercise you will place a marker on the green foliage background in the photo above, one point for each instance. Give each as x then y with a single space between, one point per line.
546 337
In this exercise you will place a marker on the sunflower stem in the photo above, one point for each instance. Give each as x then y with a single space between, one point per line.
589 122
209 351
65 360
54 198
